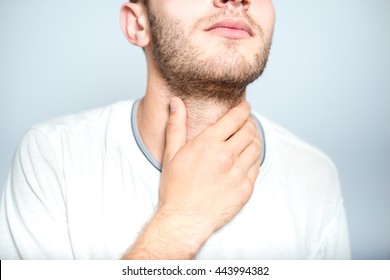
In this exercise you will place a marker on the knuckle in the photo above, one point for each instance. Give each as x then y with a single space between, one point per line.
257 143
244 191
246 188
225 160
201 145
238 175
254 172
251 127
254 149
254 126
238 115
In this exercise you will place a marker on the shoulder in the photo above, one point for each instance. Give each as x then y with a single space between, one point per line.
305 181
299 160
283 140
76 133
93 118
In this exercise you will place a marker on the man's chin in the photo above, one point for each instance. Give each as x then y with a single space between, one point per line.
220 43
228 50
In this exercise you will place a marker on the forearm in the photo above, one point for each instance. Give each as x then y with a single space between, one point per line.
169 237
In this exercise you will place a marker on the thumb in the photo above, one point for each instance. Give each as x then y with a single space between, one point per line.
176 129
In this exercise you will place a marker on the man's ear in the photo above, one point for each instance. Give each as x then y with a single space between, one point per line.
135 24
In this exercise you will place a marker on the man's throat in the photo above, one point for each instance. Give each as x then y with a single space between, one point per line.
202 114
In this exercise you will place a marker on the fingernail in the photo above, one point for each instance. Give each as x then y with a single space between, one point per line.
173 106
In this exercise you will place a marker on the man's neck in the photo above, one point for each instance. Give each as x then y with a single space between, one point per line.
153 112
202 114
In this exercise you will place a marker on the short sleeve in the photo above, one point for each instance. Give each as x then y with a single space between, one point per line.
33 216
334 243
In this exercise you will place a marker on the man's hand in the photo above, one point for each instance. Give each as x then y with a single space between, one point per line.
204 183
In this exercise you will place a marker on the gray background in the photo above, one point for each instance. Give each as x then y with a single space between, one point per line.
327 81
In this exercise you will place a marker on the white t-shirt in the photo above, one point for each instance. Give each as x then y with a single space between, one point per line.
83 187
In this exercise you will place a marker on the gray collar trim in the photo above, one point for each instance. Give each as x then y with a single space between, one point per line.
149 156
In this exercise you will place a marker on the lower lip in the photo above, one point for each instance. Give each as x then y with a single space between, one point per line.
230 33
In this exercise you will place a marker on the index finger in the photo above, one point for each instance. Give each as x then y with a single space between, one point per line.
230 123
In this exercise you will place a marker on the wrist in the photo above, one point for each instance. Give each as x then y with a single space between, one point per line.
170 235
179 231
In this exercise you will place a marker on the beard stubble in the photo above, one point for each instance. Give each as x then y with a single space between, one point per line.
192 76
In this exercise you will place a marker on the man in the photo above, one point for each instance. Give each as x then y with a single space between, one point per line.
187 171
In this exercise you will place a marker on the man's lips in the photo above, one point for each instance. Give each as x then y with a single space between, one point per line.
232 28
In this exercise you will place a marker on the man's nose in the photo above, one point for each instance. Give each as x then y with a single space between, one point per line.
234 3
